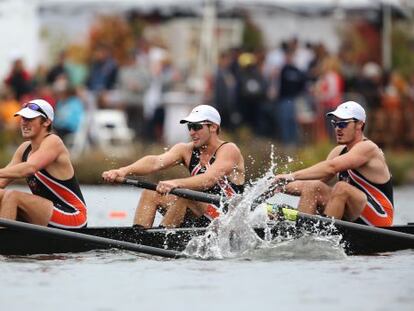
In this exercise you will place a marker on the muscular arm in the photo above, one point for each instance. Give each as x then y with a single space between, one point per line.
227 159
48 151
358 156
150 164
17 158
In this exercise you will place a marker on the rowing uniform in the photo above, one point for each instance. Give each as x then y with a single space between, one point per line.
379 210
69 209
223 187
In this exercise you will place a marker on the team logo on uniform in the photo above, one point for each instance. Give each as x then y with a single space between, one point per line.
32 183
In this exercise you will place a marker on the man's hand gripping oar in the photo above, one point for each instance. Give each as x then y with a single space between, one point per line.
278 185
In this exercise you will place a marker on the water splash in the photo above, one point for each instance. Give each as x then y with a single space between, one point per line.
233 236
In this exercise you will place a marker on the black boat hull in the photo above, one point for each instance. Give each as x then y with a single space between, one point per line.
16 242
357 239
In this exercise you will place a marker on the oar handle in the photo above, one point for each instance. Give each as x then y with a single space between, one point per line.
273 189
183 193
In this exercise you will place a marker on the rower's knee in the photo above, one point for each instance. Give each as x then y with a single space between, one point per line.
10 195
298 187
340 189
313 186
149 196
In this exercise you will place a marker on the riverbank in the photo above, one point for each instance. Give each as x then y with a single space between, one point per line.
257 153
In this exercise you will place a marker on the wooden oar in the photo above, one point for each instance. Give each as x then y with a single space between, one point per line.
183 193
54 232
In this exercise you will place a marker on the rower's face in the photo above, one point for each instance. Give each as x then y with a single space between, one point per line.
200 133
31 127
345 130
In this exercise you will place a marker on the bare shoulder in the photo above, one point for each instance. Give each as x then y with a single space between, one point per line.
366 146
53 140
182 148
230 146
53 145
180 152
229 149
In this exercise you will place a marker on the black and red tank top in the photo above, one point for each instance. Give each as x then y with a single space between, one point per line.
223 186
380 196
63 193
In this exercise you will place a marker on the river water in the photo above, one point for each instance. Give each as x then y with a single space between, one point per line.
301 275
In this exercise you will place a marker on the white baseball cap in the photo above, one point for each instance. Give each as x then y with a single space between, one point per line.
36 108
203 113
349 110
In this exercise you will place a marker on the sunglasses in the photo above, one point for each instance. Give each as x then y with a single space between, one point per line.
35 107
341 124
196 126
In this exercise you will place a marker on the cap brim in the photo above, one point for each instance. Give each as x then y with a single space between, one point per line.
339 115
191 119
28 113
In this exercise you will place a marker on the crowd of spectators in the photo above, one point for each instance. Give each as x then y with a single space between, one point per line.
75 90
283 93
286 92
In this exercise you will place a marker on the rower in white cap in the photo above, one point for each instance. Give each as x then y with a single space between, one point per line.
215 166
44 161
363 192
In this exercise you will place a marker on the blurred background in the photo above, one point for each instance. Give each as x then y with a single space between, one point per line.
120 75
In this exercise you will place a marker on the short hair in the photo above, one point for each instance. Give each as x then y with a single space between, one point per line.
218 127
50 127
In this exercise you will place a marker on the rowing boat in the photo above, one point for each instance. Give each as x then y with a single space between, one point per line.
356 239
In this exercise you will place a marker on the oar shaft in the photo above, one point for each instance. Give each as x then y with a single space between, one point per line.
294 215
183 193
89 238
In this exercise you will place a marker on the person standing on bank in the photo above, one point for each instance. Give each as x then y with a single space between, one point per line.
44 161
364 191
215 166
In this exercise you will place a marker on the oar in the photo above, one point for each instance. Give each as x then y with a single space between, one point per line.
270 192
183 193
54 232
295 215
197 195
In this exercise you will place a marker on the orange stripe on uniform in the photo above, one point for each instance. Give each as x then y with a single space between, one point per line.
211 212
67 220
60 218
369 213
371 216
62 192
228 190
